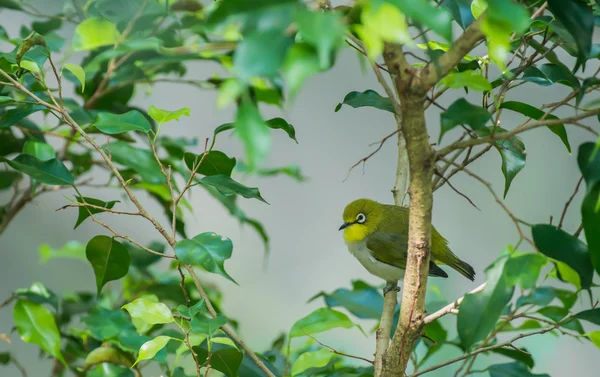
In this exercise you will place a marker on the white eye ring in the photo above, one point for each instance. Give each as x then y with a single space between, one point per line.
360 218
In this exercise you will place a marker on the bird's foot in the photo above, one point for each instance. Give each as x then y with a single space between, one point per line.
391 287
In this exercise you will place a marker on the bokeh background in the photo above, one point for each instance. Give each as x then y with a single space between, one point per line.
308 254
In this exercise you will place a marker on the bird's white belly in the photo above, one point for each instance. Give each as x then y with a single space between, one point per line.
377 268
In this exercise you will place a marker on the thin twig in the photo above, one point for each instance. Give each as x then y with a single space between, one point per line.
336 351
568 203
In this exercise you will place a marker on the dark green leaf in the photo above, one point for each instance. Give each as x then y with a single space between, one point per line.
363 302
479 311
578 19
557 244
255 136
428 15
105 324
228 186
587 83
542 296
4 358
141 258
521 356
7 178
45 27
12 116
112 124
320 320
107 354
324 30
369 98
591 315
224 358
110 370
39 294
215 162
84 212
462 112
50 172
524 269
261 54
282 124
516 369
109 259
590 215
589 164
203 325
10 4
140 160
207 250
556 313
548 74
461 11
37 325
242 8
535 113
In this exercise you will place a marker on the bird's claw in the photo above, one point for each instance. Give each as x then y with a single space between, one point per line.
391 287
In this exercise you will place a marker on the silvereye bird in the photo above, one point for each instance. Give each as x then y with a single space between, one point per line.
377 235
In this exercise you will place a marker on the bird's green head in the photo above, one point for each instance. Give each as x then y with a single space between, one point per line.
361 218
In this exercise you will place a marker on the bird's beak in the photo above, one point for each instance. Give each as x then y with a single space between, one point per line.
345 225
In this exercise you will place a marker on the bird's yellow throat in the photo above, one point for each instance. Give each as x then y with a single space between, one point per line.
355 233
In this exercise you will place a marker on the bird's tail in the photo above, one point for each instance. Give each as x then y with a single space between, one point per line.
464 268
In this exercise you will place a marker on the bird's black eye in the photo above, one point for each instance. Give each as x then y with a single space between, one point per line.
360 218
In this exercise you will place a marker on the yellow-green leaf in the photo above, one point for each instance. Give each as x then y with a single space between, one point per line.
77 71
149 311
93 33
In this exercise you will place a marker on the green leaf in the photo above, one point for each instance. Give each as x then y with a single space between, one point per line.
557 244
37 325
109 370
516 369
542 296
112 124
50 172
563 272
556 313
535 113
590 215
368 98
503 17
521 356
594 336
479 311
323 30
429 15
94 32
321 320
590 315
106 354
282 124
224 358
10 4
227 186
202 325
164 116
7 178
70 250
38 149
462 112
548 74
149 349
301 62
207 250
253 132
362 301
109 259
140 160
470 78
106 324
261 54
381 22
214 163
589 164
312 359
13 116
524 269
77 71
149 311
461 11
512 151
578 19
587 83
39 294
84 212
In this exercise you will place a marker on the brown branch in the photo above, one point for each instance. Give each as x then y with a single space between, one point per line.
104 209
458 192
450 307
365 159
568 203
508 343
519 129
336 351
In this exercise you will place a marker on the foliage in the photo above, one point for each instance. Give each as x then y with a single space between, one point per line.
268 49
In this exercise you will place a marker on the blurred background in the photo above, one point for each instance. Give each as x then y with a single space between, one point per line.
307 253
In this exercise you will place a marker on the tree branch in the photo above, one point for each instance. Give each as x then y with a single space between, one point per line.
439 68
450 307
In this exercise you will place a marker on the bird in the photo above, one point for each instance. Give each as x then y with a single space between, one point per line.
377 235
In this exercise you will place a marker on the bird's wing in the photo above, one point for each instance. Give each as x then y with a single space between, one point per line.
392 250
